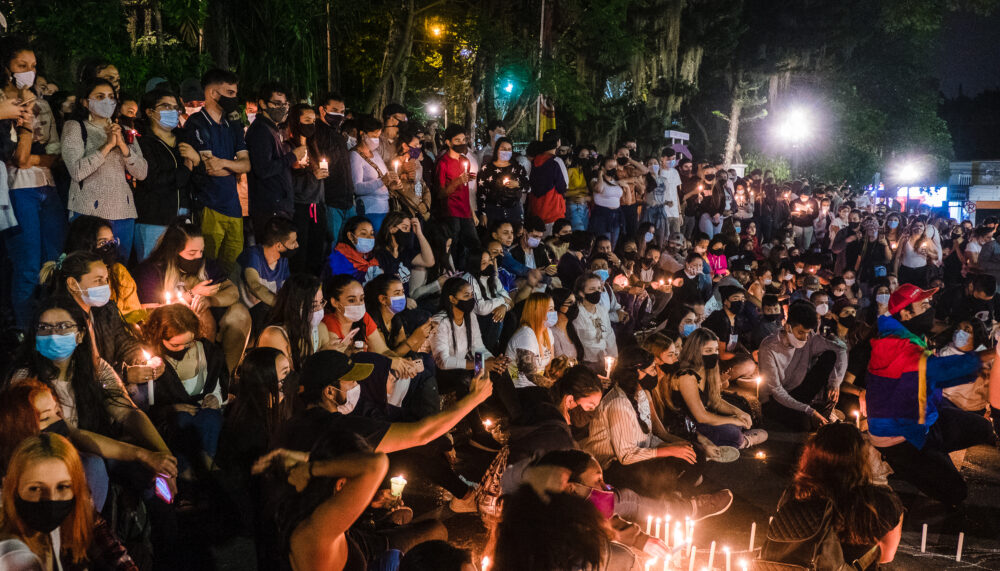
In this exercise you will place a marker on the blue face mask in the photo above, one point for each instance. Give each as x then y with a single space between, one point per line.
505 155
737 228
688 329
97 296
56 347
397 304
672 163
551 318
893 224
648 236
365 245
603 274
169 119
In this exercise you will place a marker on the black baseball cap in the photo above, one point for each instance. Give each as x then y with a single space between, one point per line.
327 368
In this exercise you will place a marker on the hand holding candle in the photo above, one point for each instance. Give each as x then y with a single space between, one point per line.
609 363
324 164
151 363
396 485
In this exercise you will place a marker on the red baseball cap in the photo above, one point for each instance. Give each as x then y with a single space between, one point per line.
907 294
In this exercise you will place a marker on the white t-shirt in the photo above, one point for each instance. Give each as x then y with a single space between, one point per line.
610 197
524 352
973 247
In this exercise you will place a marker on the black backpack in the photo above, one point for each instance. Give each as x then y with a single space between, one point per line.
803 536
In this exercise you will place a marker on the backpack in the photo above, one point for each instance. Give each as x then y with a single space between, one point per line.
803 536
489 491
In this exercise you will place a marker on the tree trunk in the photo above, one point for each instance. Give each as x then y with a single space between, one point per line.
217 32
735 110
381 94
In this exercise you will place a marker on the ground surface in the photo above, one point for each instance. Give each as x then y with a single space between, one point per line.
756 484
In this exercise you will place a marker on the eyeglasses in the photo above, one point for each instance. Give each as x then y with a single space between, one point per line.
103 243
45 329
169 107
318 305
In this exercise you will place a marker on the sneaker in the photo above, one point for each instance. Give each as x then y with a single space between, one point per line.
708 505
464 505
722 454
753 437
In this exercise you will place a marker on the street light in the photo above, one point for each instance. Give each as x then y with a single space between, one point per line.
433 109
509 87
795 127
436 31
909 171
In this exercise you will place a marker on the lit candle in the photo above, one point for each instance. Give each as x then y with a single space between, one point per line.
857 418
395 165
666 530
649 525
760 455
305 158
753 533
923 539
729 562
609 362
961 540
323 164
166 298
744 565
662 283
150 362
506 180
711 555
486 563
757 382
488 423
694 555
397 484
650 563
678 535
666 562
659 522
468 166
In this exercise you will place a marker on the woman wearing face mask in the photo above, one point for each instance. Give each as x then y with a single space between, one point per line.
502 183
414 195
372 178
629 441
384 300
717 258
188 397
695 392
605 215
177 271
879 302
874 253
894 226
915 256
295 322
46 491
969 336
400 245
761 285
354 255
593 324
164 193
531 347
307 186
34 201
352 329
565 340
492 300
57 351
712 207
97 156
93 234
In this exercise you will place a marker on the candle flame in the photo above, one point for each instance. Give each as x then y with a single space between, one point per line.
486 563
760 455
145 355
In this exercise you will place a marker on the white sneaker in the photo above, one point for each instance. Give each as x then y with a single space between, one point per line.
753 437
722 454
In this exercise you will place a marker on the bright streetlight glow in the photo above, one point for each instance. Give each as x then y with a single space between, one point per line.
909 171
436 31
795 127
433 108
509 87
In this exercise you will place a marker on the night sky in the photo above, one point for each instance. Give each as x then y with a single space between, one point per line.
970 54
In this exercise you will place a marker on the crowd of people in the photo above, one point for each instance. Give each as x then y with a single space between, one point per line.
272 306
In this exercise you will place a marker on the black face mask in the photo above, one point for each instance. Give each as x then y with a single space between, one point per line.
460 149
307 130
849 321
710 361
572 312
108 253
772 317
622 161
44 515
735 307
612 174
854 225
489 272
921 324
593 297
58 427
287 253
466 305
175 355
669 368
228 104
190 267
579 417
648 382
404 239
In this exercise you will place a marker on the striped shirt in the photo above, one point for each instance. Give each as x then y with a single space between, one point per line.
615 432
98 186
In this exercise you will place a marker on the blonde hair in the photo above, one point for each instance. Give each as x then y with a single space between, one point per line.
536 307
77 530
691 360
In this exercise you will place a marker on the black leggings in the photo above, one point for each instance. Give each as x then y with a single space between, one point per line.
656 477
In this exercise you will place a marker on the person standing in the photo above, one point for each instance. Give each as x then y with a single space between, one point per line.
218 138
270 178
372 178
662 204
307 183
338 186
452 175
548 183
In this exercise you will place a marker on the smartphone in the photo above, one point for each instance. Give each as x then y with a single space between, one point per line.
163 490
477 363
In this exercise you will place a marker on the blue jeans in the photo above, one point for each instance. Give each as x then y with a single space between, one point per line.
335 218
722 434
578 214
146 236
606 222
197 433
37 238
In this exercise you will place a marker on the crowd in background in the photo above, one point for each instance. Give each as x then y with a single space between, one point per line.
227 296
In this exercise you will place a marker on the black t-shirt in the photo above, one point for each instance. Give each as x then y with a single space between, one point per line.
889 510
302 431
718 323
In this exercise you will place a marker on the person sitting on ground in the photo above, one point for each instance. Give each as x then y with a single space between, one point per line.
436 555
353 253
94 234
735 361
593 325
801 371
531 347
264 267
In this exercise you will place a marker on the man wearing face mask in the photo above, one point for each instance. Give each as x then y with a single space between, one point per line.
264 267
338 187
332 385
222 147
530 253
453 194
270 178
801 371
910 423
727 323
495 130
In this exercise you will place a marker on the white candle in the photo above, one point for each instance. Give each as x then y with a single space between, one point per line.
694 554
666 530
659 521
744 565
395 165
753 533
649 525
149 383
486 563
678 535
757 382
923 540
323 164
729 562
609 362
397 484
166 298
666 562
857 418
961 540
650 563
711 555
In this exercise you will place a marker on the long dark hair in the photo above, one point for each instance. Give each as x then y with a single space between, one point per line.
578 381
258 393
295 507
559 297
9 47
81 113
89 397
292 310
75 265
438 236
626 375
834 465
473 261
451 287
82 235
295 120
376 287
168 248
386 239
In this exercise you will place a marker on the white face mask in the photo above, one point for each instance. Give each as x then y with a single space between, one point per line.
316 317
352 395
848 283
882 299
794 341
97 296
372 143
961 338
551 318
354 312
24 79
823 309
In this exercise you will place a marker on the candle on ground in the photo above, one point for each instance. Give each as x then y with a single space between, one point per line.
666 530
923 539
744 565
659 522
729 561
753 533
961 540
760 455
649 525
678 535
396 485
711 555
694 555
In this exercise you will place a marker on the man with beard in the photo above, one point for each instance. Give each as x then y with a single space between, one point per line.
910 423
